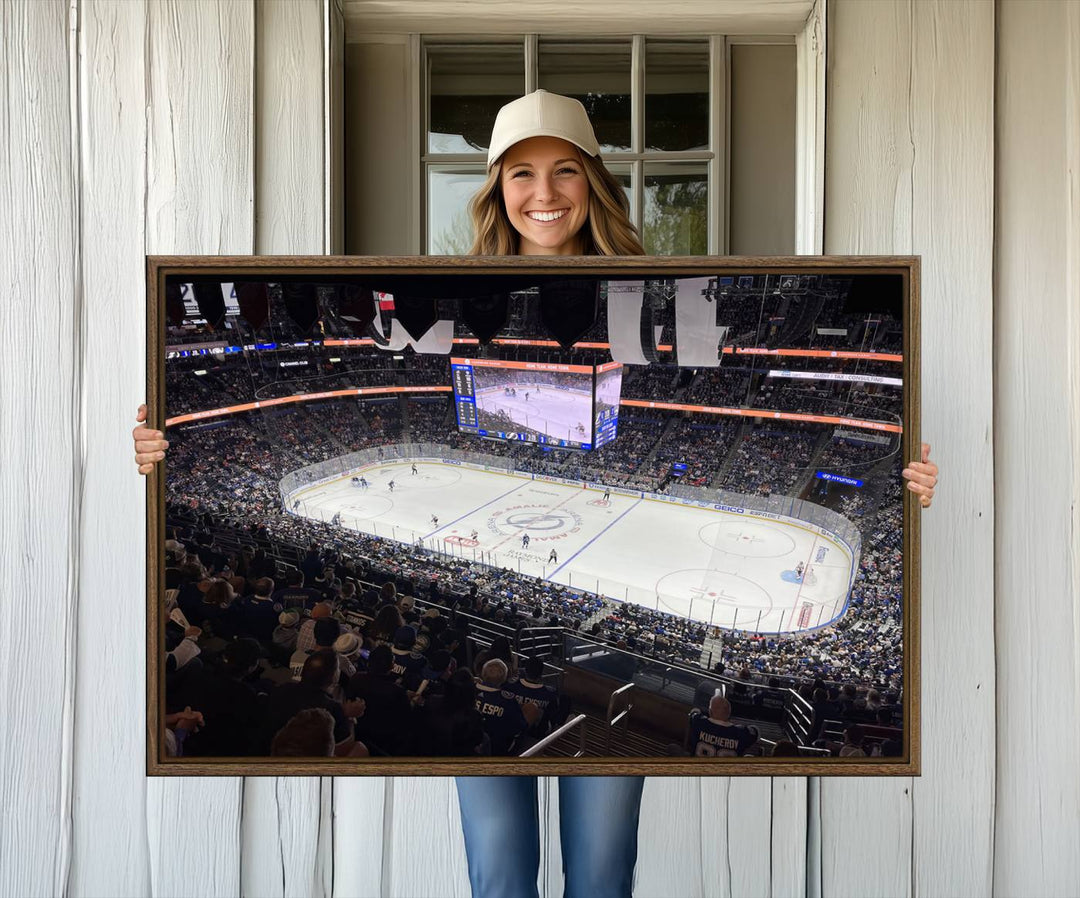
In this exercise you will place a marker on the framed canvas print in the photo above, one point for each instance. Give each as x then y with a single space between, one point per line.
533 516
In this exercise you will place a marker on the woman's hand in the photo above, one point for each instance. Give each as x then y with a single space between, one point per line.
922 477
150 445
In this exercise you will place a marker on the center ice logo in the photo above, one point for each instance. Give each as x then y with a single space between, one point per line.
534 520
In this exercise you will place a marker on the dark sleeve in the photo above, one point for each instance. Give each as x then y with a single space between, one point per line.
520 721
343 727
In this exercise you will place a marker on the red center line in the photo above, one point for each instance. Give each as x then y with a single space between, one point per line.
553 507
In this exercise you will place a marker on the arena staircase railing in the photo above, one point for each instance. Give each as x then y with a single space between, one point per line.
624 697
576 723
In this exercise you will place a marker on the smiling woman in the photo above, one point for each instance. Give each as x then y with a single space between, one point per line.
546 195
547 191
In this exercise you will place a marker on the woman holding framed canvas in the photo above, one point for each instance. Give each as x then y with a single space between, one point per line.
548 193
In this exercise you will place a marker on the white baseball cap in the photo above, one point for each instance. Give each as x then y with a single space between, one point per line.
541 114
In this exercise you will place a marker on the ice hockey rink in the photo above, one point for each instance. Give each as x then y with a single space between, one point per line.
558 413
733 570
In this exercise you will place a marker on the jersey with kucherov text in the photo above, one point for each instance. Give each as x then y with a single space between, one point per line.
713 739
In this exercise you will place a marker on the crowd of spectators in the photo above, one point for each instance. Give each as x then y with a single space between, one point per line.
823 397
328 658
721 386
701 444
662 382
771 459
652 632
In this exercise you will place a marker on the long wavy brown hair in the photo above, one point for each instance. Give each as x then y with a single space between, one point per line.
607 231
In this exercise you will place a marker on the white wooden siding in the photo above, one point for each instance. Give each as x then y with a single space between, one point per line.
1037 453
909 150
178 127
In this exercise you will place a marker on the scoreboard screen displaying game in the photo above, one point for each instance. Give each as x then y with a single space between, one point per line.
553 405
606 406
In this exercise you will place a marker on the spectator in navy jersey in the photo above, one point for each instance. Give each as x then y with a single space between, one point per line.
505 721
258 613
295 594
716 736
531 689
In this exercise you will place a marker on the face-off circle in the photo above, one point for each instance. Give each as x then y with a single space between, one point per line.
429 477
716 587
367 507
751 539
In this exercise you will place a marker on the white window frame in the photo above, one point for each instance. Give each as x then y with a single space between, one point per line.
810 126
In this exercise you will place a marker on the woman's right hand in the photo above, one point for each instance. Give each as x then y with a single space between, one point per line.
150 445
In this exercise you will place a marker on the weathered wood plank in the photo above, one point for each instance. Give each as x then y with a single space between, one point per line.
1037 447
909 170
40 444
361 806
425 812
280 838
953 229
110 782
289 128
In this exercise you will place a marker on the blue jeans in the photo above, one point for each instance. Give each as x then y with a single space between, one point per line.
598 821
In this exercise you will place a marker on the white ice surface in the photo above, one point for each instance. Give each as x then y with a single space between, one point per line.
554 412
733 570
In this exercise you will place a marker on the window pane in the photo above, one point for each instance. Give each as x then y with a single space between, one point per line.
466 87
449 191
624 176
597 74
676 209
676 95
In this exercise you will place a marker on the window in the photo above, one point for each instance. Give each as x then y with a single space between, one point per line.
656 104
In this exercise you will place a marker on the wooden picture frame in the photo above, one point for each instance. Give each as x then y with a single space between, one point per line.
884 291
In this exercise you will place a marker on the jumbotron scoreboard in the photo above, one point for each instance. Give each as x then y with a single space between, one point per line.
564 406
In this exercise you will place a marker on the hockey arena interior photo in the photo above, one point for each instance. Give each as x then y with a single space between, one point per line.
679 537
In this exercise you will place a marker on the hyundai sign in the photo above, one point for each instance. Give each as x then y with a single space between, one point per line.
836 478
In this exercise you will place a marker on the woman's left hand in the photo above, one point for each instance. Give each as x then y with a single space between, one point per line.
922 477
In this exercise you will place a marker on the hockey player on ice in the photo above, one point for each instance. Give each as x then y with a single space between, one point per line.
799 569
607 495
473 536
391 485
434 521
525 540
553 558
414 468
